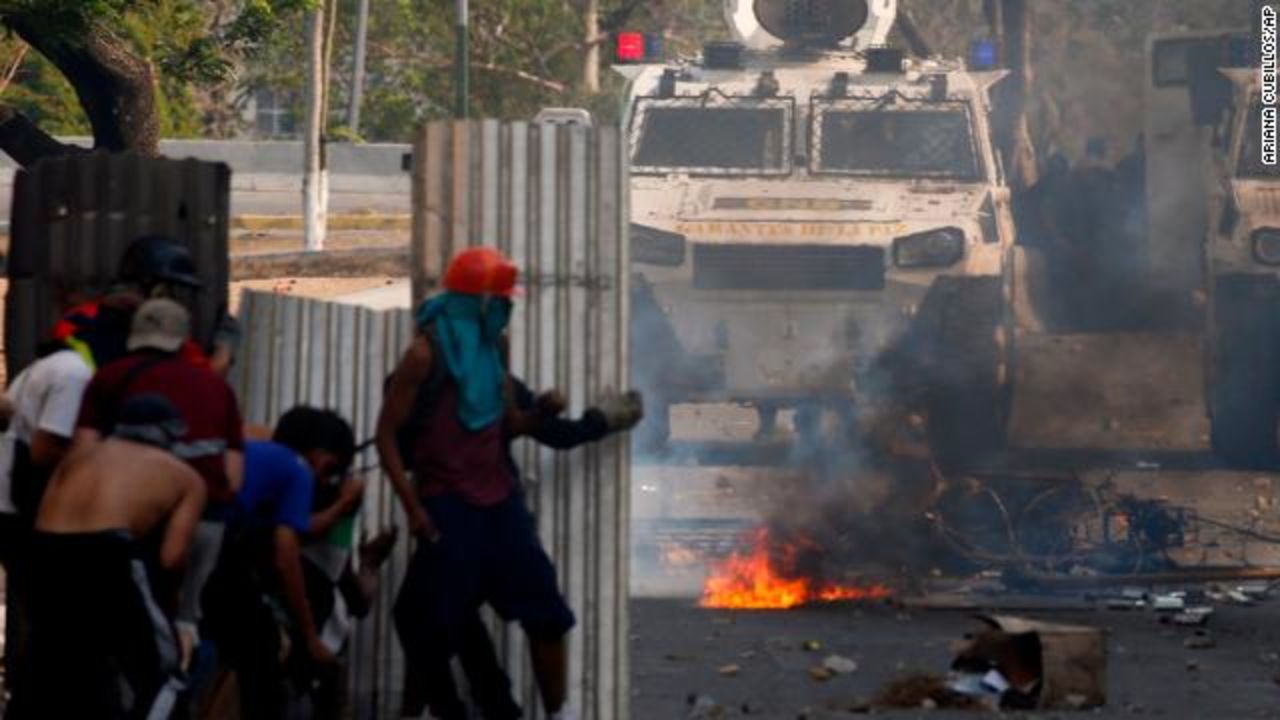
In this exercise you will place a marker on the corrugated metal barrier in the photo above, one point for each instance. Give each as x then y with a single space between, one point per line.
555 200
73 216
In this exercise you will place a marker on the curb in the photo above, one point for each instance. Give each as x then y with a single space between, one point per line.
363 262
337 221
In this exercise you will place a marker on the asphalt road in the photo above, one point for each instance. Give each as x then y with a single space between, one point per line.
678 650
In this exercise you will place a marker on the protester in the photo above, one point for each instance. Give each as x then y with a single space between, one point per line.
477 542
262 568
489 685
213 441
117 517
338 592
40 410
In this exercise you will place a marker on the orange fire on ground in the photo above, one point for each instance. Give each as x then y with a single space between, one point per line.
751 580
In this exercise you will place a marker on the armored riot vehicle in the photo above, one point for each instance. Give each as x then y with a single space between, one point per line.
1243 261
819 222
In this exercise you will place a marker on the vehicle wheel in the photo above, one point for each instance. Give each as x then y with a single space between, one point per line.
1244 383
965 366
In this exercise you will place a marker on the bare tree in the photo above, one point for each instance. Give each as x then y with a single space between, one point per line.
315 190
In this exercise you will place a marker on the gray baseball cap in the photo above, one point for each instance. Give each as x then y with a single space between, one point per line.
159 324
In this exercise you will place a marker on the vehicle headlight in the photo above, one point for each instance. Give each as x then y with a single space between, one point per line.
1266 246
652 246
934 248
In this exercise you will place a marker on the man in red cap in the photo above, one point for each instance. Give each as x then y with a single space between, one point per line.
446 409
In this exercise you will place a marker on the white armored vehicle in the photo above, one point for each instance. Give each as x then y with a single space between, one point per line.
816 218
1243 279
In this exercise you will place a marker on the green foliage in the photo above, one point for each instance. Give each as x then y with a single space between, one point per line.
42 94
192 44
526 54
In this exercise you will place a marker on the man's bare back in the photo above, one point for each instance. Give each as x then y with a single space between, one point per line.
123 485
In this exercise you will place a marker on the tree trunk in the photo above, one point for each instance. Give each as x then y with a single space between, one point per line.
1017 18
115 87
1011 22
358 67
314 176
591 59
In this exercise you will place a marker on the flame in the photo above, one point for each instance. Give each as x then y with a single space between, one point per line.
752 580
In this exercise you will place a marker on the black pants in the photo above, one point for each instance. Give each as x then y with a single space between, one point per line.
93 625
14 535
486 555
429 681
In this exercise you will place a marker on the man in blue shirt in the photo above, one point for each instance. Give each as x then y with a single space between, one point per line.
262 556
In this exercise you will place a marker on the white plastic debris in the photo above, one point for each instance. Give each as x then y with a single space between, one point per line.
840 665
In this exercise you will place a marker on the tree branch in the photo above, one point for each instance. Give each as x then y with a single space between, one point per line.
115 87
13 66
545 83
21 140
911 33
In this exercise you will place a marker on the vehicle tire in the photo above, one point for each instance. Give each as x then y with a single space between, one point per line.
964 361
1244 387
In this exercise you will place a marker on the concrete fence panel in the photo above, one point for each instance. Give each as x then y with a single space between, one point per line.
73 216
553 198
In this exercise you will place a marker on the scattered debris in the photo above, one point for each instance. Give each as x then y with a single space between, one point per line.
840 665
703 707
820 673
1039 665
853 706
988 688
1192 617
730 670
923 690
1200 641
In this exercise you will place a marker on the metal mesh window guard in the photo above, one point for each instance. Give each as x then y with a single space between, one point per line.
712 135
905 139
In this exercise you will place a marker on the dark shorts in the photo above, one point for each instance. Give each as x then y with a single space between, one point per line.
486 555
94 626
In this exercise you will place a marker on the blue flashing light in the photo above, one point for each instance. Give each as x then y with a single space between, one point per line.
982 55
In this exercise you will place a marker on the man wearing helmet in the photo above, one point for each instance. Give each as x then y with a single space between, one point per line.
451 395
153 266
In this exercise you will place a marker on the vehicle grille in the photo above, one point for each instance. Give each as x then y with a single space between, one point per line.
787 267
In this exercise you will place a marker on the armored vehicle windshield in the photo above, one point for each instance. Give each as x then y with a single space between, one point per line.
738 136
863 138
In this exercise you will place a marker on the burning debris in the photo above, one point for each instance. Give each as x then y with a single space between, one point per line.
767 575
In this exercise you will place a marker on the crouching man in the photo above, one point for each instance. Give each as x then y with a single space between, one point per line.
117 517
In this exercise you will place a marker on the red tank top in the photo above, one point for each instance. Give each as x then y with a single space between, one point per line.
450 459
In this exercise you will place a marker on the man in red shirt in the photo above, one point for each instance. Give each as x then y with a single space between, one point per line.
450 397
214 439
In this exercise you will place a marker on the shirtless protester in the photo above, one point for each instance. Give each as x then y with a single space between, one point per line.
117 519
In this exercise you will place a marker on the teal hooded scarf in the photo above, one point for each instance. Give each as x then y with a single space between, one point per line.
468 329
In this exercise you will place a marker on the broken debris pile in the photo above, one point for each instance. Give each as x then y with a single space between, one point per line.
1013 663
